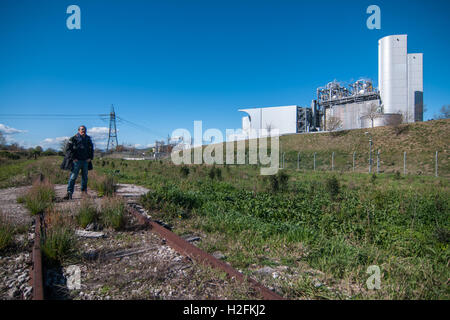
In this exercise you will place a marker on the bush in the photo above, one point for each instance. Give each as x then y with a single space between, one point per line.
113 213
184 171
279 182
274 185
212 173
283 178
219 173
332 186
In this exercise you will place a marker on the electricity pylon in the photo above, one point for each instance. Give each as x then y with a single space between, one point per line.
112 136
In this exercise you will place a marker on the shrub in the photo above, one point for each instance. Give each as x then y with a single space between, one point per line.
219 173
113 213
332 186
212 173
184 171
283 178
274 185
279 182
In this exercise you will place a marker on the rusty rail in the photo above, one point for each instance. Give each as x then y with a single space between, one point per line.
188 249
36 274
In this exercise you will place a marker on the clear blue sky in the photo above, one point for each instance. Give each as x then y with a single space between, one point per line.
164 64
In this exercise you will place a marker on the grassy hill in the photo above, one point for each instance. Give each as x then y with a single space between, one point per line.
419 140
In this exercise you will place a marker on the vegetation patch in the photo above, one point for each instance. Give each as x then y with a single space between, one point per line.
113 213
39 197
59 241
7 232
87 213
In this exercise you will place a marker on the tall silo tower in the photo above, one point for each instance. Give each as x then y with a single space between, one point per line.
400 78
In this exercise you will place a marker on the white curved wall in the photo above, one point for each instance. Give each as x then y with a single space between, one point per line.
282 118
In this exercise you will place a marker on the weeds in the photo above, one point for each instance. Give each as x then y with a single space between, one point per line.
104 184
6 232
113 213
58 243
39 197
87 213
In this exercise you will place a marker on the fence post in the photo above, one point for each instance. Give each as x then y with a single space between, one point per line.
281 160
314 161
332 161
378 161
284 154
298 161
354 154
404 162
436 165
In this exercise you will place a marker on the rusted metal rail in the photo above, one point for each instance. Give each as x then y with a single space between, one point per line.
187 249
36 274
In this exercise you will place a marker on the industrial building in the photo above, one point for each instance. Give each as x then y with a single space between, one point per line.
399 98
287 119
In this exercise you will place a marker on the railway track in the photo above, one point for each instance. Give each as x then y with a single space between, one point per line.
180 245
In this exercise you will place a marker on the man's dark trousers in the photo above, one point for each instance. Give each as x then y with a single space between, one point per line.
77 165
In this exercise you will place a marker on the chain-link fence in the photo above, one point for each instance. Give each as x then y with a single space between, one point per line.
416 163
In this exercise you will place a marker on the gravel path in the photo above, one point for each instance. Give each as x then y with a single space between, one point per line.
15 262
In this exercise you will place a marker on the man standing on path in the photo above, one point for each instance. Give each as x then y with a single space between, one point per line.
79 155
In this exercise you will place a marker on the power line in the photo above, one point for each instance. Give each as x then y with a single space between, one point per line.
138 126
59 116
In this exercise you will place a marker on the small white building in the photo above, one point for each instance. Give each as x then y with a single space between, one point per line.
286 119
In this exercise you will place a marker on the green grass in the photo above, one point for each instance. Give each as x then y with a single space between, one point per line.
39 197
7 232
87 213
104 184
23 172
112 213
348 221
399 222
58 244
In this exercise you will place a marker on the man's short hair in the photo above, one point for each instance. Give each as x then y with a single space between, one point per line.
82 126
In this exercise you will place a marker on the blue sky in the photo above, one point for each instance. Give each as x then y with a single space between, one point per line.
164 64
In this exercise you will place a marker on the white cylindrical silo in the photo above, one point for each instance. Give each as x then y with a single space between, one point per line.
393 73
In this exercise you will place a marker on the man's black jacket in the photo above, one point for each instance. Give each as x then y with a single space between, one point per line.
78 148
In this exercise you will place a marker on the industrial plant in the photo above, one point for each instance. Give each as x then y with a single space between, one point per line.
398 99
